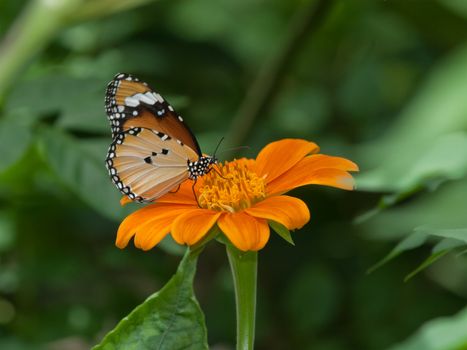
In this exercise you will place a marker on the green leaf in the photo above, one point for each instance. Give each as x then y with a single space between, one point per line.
459 7
458 233
386 201
438 161
82 172
401 157
446 333
427 262
447 244
282 231
7 231
455 238
428 171
452 239
443 208
412 241
169 319
442 248
15 139
78 102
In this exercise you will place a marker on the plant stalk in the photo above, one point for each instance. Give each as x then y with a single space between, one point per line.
243 266
29 34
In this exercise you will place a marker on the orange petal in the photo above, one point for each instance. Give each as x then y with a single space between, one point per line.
291 212
278 157
244 231
322 161
149 225
318 169
297 177
193 225
149 234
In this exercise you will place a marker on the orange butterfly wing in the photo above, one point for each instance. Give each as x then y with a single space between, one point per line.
132 103
145 164
152 147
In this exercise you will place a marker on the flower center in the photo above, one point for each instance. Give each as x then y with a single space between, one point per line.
231 186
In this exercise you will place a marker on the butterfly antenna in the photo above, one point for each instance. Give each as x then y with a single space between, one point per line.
217 147
234 149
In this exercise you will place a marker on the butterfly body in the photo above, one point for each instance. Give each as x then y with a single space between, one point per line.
153 151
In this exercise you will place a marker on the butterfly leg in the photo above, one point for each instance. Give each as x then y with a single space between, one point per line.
217 171
178 188
194 192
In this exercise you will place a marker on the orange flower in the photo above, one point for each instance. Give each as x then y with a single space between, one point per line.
242 200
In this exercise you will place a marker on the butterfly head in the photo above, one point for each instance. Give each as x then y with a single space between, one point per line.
200 167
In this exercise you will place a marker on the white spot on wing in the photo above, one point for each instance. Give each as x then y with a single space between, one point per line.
158 97
148 98
131 101
136 99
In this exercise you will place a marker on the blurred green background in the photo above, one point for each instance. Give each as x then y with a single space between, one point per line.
383 83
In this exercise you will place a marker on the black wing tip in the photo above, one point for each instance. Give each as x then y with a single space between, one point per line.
125 76
121 75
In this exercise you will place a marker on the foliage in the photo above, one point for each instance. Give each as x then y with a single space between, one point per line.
442 333
382 83
169 319
450 240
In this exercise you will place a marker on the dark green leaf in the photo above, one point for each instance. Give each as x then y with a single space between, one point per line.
282 231
81 171
427 262
443 247
15 138
79 103
447 244
447 333
7 231
453 238
401 156
443 208
169 319
458 234
438 161
429 171
414 240
457 6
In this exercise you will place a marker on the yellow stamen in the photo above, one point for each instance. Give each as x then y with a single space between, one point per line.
231 186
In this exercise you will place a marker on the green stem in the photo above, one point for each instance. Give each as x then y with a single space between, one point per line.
29 34
39 23
244 268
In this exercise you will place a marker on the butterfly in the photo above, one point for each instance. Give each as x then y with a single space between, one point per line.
153 150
